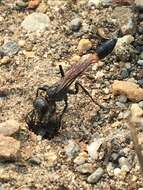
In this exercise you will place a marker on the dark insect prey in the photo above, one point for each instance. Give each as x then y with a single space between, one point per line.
44 115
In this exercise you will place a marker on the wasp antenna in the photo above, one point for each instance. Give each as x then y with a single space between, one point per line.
106 48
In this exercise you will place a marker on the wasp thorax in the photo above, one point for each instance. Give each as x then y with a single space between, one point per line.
40 104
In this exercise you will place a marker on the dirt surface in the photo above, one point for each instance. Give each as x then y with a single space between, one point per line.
36 64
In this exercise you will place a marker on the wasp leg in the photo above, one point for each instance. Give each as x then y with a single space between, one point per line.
30 118
61 71
77 85
65 108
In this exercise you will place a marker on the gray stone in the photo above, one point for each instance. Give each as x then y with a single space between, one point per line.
110 169
72 149
9 148
9 127
124 73
123 48
20 4
120 105
36 22
2 188
124 164
93 148
141 55
140 62
125 18
75 24
98 3
141 104
140 82
85 168
10 48
95 177
122 99
115 156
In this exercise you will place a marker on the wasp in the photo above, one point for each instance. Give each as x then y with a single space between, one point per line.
44 113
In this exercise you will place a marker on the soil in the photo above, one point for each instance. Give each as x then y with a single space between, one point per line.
37 64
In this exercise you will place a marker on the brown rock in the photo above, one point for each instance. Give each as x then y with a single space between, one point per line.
131 90
9 127
42 8
9 148
33 4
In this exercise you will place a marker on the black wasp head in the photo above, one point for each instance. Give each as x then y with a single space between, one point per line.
40 104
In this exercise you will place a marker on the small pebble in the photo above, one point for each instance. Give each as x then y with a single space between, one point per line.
36 22
114 156
93 148
21 4
140 82
9 127
124 164
120 105
5 60
9 148
140 62
117 172
141 104
21 43
84 45
125 169
110 169
134 179
124 73
72 149
42 8
81 158
75 24
85 168
10 48
122 99
98 3
96 176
